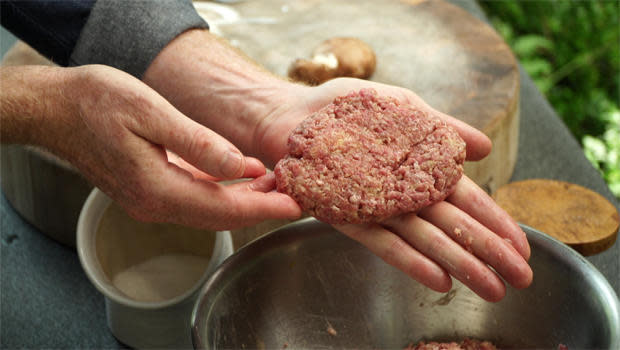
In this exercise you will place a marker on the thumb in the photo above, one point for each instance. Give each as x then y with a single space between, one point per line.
198 145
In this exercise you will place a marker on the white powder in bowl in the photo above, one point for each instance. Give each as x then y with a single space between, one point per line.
151 262
161 278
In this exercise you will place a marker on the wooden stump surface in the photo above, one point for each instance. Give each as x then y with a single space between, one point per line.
575 215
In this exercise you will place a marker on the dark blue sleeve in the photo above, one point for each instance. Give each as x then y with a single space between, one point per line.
52 27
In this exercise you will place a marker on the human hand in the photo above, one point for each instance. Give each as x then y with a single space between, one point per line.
257 112
300 101
462 236
115 130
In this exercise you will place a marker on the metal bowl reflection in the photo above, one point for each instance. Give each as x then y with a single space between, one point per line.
288 288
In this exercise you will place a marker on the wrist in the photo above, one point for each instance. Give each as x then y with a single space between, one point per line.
216 85
33 100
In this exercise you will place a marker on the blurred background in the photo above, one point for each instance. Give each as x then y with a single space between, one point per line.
572 51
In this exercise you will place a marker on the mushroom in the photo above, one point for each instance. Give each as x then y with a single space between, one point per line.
333 58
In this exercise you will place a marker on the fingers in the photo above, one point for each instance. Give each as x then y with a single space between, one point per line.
476 203
157 190
198 145
205 149
263 183
258 207
195 172
478 144
214 206
398 253
480 241
434 243
253 168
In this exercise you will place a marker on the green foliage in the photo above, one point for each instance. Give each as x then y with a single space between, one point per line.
604 152
571 49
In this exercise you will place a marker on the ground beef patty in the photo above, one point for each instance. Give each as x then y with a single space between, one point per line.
365 158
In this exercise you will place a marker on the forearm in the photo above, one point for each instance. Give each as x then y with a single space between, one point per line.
33 101
216 85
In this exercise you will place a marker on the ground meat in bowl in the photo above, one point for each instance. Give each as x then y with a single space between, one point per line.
467 344
365 158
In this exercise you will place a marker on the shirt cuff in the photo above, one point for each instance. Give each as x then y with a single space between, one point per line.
129 34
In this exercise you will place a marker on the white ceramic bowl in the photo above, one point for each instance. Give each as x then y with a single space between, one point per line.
140 323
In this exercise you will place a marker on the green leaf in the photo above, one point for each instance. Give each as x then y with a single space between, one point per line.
504 29
594 148
612 116
614 176
615 189
543 84
571 49
536 67
613 179
529 45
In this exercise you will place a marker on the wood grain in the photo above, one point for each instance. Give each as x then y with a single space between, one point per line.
577 216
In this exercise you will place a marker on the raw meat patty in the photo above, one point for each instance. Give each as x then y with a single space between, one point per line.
365 158
467 344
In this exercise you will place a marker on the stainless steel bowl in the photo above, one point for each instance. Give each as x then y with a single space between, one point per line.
308 286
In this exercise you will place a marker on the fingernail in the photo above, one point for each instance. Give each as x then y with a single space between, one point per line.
231 165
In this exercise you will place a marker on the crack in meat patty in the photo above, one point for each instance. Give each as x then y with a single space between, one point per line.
365 158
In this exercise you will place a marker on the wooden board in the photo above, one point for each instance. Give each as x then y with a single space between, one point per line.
573 214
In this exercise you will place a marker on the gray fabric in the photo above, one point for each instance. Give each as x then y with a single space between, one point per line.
128 34
7 40
46 300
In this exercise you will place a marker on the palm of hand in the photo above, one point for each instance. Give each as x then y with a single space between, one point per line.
461 236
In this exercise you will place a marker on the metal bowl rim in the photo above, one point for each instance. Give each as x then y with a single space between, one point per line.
549 244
